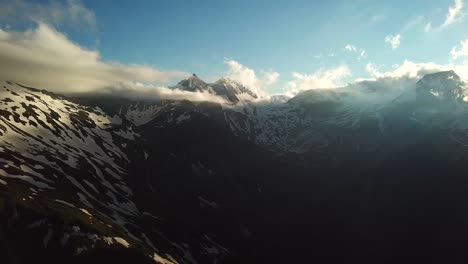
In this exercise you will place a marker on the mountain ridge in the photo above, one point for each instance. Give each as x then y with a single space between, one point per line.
224 87
193 182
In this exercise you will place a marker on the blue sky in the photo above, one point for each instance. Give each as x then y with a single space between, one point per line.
284 37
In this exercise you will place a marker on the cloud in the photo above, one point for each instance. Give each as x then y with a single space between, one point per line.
454 15
45 58
248 77
461 52
413 70
416 21
269 78
407 69
140 91
330 78
350 47
353 49
394 41
69 12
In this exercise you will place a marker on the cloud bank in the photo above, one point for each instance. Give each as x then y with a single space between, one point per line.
247 77
412 70
407 69
45 58
321 79
139 91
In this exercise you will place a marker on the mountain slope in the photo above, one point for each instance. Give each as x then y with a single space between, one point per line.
62 159
370 165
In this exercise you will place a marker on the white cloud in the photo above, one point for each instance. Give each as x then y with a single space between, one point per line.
248 77
407 74
394 41
454 15
147 91
362 55
461 52
45 58
350 47
269 78
353 49
69 12
330 78
407 69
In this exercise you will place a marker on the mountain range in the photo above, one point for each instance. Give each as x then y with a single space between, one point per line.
372 171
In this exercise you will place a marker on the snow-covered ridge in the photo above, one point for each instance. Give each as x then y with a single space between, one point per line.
48 142
305 121
141 114
302 123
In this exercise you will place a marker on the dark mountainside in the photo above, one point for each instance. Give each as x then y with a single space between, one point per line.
328 176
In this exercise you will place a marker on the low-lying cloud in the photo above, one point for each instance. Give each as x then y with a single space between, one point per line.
249 78
139 91
321 79
45 58
413 70
407 69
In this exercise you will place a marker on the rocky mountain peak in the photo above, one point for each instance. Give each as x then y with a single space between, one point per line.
445 86
193 84
224 87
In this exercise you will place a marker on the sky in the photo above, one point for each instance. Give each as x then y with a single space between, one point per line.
279 47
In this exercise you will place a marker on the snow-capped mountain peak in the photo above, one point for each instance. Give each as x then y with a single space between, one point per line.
232 90
193 84
229 89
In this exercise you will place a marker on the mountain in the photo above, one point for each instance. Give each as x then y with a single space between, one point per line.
228 89
80 184
194 84
369 172
441 86
64 168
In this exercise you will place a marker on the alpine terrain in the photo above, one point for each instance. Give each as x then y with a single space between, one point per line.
371 172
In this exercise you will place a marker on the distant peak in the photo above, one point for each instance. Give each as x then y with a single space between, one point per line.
444 85
193 77
443 74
